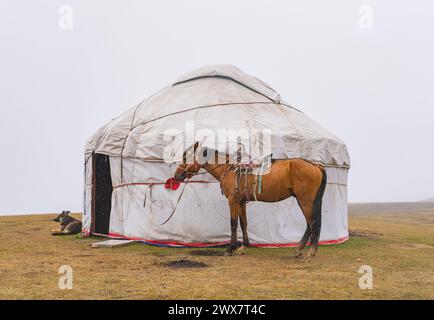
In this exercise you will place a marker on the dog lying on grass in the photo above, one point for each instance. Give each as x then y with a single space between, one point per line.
68 225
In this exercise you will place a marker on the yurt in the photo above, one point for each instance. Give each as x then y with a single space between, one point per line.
129 160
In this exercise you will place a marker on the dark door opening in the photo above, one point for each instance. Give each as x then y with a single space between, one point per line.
101 193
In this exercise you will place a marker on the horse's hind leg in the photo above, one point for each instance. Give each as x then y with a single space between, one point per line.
303 241
306 207
235 208
313 219
243 223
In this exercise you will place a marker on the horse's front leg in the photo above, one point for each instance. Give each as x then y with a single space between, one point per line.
235 212
243 223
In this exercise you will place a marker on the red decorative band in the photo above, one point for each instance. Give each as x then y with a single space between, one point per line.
210 244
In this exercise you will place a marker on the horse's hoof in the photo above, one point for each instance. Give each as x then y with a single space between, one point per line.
228 254
298 254
241 250
309 257
311 254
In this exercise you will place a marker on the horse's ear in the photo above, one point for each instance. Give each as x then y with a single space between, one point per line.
196 145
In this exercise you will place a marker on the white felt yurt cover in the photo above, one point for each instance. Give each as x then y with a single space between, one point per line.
145 141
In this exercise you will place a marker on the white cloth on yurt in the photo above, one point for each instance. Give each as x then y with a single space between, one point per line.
218 97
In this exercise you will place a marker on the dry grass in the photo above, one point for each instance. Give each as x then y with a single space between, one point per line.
398 245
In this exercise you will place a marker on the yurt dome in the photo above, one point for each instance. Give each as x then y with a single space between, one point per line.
128 161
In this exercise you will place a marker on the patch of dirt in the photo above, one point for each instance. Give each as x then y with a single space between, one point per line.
365 234
183 263
203 252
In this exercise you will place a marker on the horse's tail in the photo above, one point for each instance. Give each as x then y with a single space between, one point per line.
317 205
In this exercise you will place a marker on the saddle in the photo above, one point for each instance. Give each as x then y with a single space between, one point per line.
254 167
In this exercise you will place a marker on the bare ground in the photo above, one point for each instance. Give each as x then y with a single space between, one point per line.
396 240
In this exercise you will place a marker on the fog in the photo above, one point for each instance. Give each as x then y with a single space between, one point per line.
362 69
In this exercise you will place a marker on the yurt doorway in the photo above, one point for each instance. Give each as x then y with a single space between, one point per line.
101 193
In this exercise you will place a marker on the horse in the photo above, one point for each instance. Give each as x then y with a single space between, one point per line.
302 179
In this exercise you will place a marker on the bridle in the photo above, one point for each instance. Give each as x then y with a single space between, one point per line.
188 168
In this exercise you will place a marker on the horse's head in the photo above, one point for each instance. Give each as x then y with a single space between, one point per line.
189 166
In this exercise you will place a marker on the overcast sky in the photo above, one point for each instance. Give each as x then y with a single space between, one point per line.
370 81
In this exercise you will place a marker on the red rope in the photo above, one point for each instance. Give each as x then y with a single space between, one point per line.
155 183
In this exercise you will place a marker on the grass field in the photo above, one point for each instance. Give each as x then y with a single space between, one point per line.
396 240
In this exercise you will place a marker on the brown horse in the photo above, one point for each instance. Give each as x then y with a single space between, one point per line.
293 177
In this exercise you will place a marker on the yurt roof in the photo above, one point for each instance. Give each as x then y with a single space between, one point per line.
214 98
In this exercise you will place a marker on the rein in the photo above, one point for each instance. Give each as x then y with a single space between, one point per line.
189 175
225 173
187 181
176 205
